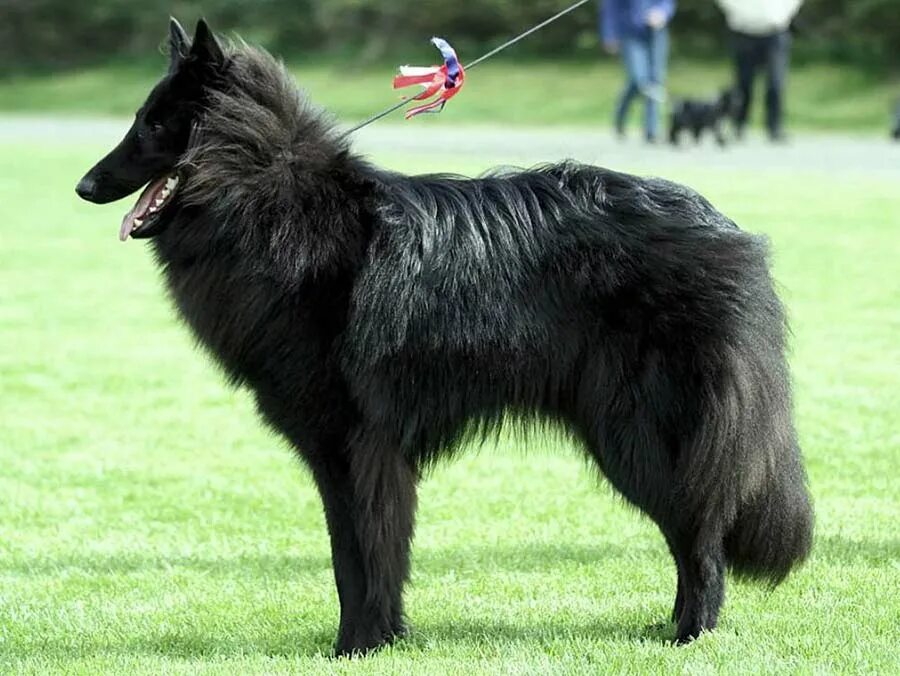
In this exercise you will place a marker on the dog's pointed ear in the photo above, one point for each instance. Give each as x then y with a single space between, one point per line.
179 43
178 39
205 46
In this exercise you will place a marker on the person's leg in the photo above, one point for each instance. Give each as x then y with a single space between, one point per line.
634 57
745 67
654 90
778 48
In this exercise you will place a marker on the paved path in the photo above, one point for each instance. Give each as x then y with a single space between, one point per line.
526 146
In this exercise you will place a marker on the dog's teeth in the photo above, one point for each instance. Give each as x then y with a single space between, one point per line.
138 222
152 209
172 182
165 193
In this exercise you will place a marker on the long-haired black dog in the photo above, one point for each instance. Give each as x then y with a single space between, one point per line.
699 115
383 319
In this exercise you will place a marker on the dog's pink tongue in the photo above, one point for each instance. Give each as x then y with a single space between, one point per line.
127 224
139 210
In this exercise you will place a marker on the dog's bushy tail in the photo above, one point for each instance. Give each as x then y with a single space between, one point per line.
745 472
773 531
746 475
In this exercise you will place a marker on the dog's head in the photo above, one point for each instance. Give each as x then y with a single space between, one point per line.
150 151
729 102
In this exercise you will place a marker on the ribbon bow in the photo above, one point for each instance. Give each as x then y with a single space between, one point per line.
443 82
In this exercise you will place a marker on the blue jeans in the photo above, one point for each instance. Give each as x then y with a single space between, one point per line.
645 57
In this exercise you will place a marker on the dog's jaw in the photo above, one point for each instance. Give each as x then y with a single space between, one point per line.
137 223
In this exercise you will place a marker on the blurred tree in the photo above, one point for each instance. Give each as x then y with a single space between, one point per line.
53 33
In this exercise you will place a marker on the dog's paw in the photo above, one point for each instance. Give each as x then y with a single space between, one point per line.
362 641
400 628
688 632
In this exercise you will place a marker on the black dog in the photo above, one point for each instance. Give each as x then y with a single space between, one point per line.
383 319
697 116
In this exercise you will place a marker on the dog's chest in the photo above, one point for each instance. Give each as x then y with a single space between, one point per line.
260 333
227 311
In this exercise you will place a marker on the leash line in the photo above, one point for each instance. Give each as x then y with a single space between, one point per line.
535 29
377 116
481 59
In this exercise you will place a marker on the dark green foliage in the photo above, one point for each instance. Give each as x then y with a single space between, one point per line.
63 32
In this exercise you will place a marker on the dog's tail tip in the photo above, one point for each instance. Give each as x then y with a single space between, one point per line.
774 534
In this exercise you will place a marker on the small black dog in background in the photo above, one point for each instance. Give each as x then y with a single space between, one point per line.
699 115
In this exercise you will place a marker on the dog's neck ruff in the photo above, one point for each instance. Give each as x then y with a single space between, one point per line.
267 179
257 132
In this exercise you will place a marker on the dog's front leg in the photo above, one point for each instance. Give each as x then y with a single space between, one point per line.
332 475
382 510
675 134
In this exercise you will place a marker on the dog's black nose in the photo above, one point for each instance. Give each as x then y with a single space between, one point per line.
86 188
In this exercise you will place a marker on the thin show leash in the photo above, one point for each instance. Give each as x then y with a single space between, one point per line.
481 59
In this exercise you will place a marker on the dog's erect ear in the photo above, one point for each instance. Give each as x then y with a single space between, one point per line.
178 39
179 43
206 47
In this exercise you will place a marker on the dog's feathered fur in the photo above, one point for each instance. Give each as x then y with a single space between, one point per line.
380 318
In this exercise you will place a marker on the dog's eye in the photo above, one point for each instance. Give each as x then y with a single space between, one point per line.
157 128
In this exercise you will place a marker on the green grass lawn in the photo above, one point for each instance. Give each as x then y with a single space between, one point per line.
499 92
148 524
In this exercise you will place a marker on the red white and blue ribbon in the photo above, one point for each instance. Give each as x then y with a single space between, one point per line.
444 82
441 82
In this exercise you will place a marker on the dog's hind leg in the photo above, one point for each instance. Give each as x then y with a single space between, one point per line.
719 134
632 451
637 440
701 573
699 561
383 512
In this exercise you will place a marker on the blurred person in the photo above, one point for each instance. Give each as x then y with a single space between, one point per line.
761 38
895 129
638 29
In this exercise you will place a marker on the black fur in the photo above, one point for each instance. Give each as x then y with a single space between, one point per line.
696 116
383 319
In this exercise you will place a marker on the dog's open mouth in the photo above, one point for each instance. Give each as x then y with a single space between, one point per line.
137 222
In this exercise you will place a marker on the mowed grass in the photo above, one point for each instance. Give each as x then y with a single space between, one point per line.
503 91
149 524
